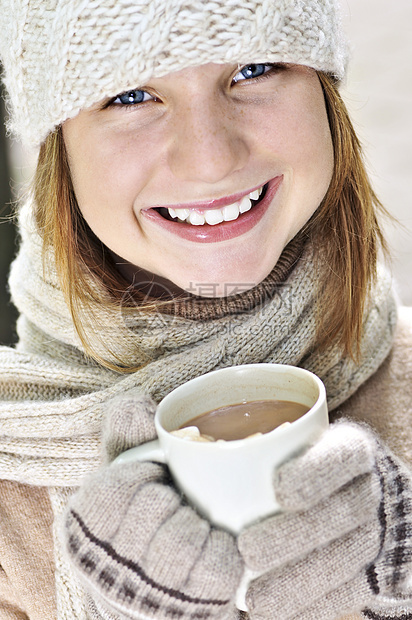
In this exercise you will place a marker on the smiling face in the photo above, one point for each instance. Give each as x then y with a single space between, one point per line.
203 176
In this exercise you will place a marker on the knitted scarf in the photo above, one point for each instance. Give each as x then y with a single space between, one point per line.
52 397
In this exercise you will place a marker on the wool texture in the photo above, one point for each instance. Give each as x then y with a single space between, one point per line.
54 399
125 523
57 395
340 542
61 56
27 554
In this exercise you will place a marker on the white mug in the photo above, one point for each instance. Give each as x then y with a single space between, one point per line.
231 482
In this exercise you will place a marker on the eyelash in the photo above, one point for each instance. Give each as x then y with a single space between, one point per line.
129 106
273 68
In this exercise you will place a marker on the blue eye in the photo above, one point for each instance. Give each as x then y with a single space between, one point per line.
251 72
132 97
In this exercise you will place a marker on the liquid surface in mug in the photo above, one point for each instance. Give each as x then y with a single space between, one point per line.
244 419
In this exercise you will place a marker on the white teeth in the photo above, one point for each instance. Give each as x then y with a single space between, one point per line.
197 219
245 204
231 212
216 216
254 195
213 217
182 214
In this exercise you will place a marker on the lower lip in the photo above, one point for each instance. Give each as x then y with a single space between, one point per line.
223 231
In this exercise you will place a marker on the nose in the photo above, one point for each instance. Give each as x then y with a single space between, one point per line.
207 142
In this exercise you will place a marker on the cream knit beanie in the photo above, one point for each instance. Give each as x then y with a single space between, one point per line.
60 56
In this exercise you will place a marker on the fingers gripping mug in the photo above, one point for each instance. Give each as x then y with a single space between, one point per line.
231 482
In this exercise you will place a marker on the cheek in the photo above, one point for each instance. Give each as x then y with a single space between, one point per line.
301 138
107 174
306 149
313 158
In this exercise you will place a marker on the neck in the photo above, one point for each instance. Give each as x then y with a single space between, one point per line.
147 283
150 288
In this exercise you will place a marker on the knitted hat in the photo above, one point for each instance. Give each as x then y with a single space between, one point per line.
60 56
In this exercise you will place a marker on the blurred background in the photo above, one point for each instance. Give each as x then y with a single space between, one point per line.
378 93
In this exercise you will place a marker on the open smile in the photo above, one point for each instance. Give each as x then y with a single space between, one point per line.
217 220
228 213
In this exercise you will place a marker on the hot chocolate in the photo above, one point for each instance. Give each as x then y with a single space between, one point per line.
242 420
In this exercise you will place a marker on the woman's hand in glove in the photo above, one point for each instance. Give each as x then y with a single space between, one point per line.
139 551
344 538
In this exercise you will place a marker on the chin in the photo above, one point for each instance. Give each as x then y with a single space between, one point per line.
225 273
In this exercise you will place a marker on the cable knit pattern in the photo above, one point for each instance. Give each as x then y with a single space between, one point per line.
64 55
53 399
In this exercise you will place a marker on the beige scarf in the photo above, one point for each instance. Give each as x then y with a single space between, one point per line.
53 398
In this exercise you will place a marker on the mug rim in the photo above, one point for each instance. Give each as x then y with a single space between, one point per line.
232 443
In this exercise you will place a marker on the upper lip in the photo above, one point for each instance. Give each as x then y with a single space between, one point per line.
215 203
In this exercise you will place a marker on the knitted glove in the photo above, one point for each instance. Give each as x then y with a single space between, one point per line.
344 540
138 550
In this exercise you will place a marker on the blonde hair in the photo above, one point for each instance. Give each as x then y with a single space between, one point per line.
345 226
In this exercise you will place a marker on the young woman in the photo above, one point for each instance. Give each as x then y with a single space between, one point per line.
199 201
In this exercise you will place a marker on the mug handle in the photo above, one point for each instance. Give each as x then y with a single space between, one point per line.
149 451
